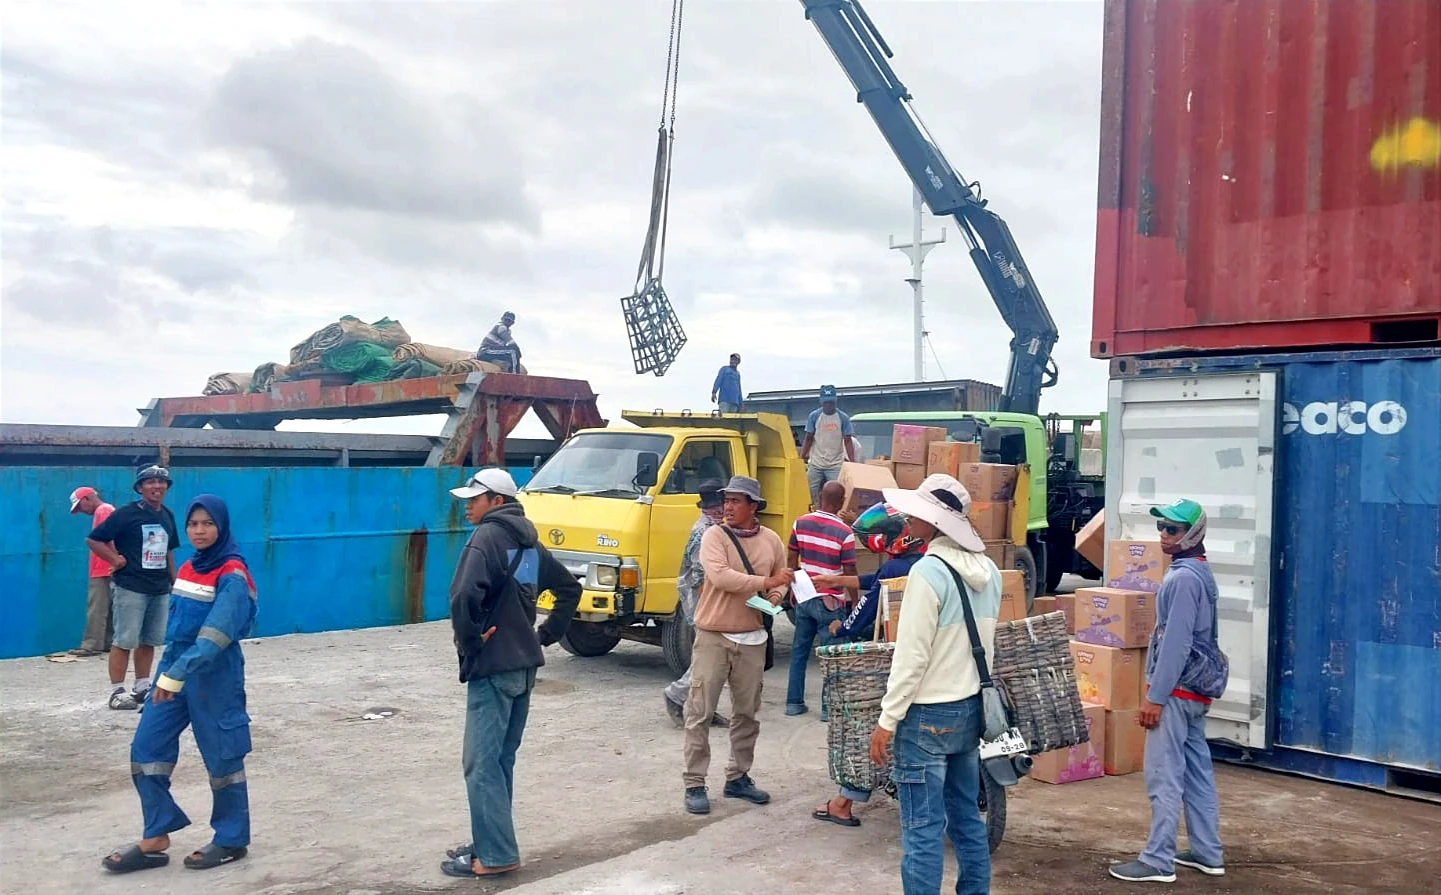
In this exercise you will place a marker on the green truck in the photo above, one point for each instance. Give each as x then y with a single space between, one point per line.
1066 456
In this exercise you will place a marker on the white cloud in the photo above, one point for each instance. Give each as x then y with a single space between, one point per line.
189 188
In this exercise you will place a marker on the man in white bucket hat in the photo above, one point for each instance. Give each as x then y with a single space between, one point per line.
932 705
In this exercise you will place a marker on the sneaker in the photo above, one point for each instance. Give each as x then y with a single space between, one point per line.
743 787
1140 872
121 700
696 800
796 708
676 712
1189 859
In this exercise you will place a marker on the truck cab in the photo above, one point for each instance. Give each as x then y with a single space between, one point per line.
616 507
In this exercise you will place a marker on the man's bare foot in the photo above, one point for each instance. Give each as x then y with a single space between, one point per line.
839 807
480 869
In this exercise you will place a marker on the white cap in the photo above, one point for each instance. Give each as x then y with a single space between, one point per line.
486 481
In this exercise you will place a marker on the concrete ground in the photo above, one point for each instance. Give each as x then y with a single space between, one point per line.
344 806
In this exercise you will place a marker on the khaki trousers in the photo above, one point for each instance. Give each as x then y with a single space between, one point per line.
97 615
715 662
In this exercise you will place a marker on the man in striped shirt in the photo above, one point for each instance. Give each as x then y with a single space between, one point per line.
820 544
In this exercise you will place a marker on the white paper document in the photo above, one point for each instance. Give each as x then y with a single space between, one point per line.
803 588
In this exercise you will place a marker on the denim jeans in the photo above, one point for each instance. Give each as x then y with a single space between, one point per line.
1179 775
816 477
938 778
813 622
496 707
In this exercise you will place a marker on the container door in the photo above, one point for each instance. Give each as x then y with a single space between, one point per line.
1211 438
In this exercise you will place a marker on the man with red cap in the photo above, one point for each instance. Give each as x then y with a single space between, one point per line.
96 640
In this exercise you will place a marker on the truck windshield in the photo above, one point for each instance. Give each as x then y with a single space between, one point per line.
599 463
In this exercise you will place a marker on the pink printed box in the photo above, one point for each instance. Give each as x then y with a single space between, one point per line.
1109 616
1136 565
1083 762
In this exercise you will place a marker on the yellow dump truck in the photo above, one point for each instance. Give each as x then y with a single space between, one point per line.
616 506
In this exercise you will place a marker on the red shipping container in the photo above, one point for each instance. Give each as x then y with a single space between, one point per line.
1270 175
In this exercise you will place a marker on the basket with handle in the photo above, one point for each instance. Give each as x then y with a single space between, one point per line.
855 681
1037 678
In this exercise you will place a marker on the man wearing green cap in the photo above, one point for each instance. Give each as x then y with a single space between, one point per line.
1185 670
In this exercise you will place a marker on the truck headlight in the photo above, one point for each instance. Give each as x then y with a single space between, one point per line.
605 576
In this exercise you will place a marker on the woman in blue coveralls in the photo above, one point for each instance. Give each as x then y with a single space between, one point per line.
201 683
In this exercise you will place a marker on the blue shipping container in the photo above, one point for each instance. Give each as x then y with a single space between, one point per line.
330 548
1355 595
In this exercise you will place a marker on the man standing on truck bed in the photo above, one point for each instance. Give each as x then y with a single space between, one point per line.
827 443
142 561
742 559
725 392
1185 670
501 571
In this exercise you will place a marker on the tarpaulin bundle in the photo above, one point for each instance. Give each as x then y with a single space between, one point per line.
365 361
435 354
473 365
413 368
227 384
267 375
348 331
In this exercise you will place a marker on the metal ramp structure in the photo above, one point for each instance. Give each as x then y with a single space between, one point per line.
482 409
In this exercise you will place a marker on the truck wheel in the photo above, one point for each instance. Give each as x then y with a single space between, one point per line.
677 638
589 639
1026 565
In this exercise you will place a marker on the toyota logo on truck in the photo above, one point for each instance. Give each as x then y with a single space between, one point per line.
1344 418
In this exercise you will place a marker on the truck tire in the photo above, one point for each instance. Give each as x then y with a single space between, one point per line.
1026 565
677 638
589 639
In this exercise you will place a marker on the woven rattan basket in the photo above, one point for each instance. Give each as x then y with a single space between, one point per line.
1037 677
855 680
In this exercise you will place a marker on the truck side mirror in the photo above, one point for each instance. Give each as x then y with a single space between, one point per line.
537 461
647 469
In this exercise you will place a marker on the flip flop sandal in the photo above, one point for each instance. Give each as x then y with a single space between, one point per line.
129 858
465 849
823 814
459 866
214 855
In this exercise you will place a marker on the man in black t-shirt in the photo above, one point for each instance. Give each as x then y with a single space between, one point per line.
139 541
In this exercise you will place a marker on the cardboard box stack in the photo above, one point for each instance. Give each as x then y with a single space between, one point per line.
993 491
1043 605
1091 540
888 614
910 450
947 457
1110 628
1013 596
1002 553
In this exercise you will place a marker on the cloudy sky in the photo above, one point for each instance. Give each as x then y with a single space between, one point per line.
194 187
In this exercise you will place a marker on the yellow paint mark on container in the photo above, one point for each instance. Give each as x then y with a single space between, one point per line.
1416 144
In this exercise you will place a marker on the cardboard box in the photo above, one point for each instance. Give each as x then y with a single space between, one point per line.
889 612
1136 565
947 457
863 484
1067 604
867 563
1108 676
911 444
1043 605
1013 596
1002 553
889 465
909 475
1083 762
1108 616
992 482
1091 541
1125 743
992 519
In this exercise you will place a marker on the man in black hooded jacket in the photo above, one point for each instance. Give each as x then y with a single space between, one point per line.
492 612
